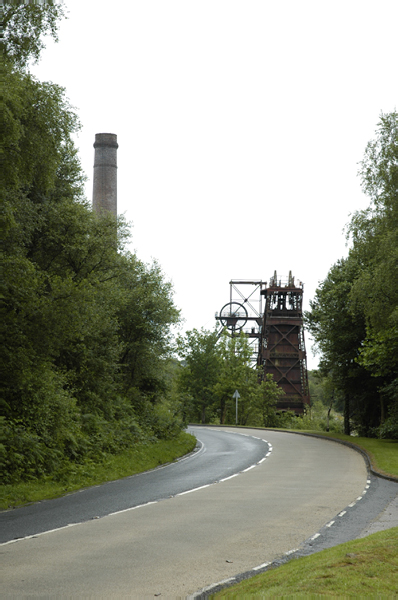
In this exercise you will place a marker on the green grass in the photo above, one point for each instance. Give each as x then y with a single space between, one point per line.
365 568
141 458
383 454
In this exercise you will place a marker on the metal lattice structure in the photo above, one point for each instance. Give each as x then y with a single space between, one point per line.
276 333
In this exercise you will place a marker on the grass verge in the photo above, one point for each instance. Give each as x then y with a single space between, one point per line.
365 568
136 460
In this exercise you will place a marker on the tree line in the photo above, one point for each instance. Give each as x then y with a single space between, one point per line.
354 314
87 326
353 321
212 370
87 353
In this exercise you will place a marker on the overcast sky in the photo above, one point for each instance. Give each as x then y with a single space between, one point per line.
240 127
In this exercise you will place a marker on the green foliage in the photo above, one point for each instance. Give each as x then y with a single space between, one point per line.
236 373
86 326
317 419
211 371
74 476
354 315
25 25
199 375
363 568
266 401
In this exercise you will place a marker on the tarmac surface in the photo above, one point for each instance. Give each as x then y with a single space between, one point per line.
385 520
177 545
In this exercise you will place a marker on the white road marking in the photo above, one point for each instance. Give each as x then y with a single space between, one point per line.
194 489
230 477
266 564
119 512
192 455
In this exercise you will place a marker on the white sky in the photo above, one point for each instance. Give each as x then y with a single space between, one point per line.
240 127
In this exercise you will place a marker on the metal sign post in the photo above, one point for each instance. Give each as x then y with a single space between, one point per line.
236 395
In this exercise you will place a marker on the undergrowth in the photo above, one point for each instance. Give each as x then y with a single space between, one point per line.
141 458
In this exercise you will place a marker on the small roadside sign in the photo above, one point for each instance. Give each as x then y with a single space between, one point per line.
236 395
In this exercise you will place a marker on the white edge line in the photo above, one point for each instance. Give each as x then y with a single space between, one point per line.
330 524
35 535
343 512
119 512
266 564
230 477
28 537
291 551
213 585
194 489
315 536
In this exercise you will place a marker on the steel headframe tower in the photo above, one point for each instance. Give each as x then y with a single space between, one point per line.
277 333
243 312
282 346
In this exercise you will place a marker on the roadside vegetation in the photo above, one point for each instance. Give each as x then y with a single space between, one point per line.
136 459
364 568
353 321
93 376
87 327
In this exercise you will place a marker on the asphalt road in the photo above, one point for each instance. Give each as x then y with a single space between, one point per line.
180 544
219 454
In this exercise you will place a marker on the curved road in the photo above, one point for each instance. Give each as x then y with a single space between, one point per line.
181 544
218 455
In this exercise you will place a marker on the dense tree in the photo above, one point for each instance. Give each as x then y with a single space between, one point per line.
86 325
25 25
201 360
375 247
354 315
339 335
236 373
266 400
212 370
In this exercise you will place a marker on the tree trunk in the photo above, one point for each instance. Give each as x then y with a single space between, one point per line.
329 409
222 411
382 411
347 428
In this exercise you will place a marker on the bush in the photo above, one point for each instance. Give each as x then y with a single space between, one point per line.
389 429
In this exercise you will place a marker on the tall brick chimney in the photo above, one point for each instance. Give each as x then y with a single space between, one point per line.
105 173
